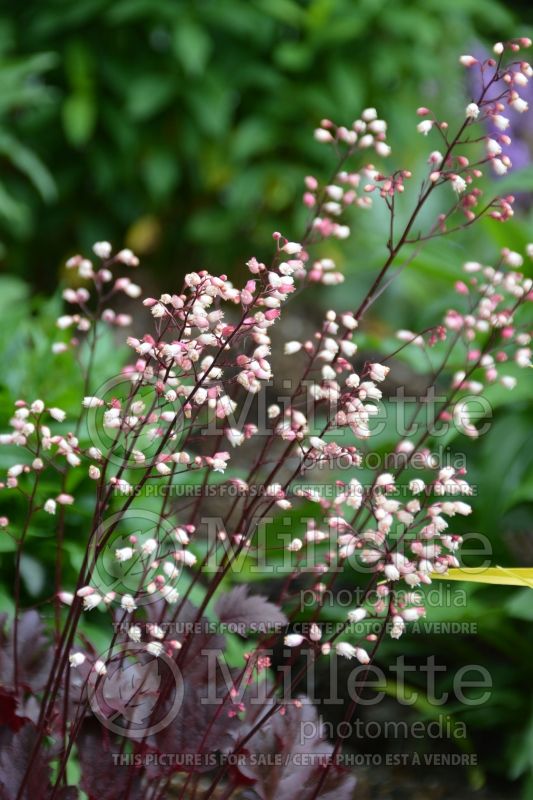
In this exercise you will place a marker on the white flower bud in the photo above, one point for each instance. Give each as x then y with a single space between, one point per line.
293 640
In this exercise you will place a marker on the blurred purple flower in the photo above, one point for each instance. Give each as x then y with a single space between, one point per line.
520 130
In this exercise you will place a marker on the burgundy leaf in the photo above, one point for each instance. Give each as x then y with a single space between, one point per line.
33 649
136 693
15 752
295 734
67 793
103 777
200 725
8 711
201 728
132 690
245 612
16 711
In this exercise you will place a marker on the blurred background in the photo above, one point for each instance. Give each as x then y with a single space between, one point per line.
183 129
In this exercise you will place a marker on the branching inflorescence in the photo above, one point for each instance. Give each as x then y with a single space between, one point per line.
189 405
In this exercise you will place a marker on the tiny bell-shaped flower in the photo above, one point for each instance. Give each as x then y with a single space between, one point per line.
76 659
424 127
472 111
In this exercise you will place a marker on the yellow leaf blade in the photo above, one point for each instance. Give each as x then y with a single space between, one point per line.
502 576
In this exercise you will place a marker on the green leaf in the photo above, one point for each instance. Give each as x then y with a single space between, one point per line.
16 213
520 605
79 118
285 11
161 172
253 136
7 543
29 164
294 56
149 94
192 46
522 752
33 575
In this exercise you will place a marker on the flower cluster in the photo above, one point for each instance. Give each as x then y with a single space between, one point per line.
197 404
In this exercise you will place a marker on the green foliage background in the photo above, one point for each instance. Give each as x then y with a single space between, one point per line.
184 125
183 128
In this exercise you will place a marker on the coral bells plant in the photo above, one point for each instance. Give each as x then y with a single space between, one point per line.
176 471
